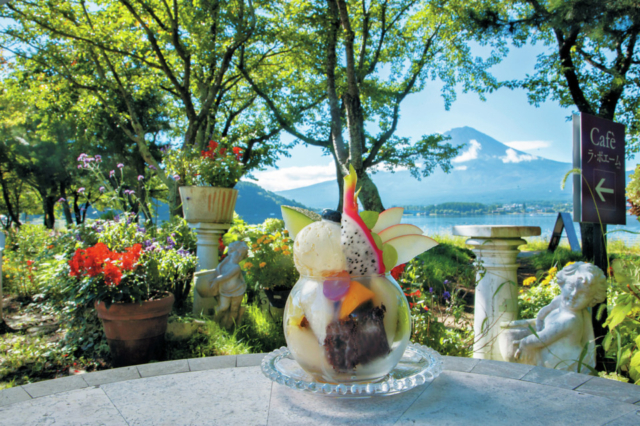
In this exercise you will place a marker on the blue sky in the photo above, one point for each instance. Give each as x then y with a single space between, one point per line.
506 116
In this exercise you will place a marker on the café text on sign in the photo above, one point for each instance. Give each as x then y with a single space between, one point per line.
598 151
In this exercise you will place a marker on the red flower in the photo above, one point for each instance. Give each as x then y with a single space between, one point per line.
223 152
112 274
411 305
425 309
414 294
398 271
29 262
213 145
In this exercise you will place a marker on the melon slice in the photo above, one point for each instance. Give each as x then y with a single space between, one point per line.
398 231
296 218
388 218
410 246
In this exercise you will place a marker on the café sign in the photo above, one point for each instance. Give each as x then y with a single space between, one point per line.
598 151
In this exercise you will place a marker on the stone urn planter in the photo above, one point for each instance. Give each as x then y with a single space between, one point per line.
277 296
135 332
208 204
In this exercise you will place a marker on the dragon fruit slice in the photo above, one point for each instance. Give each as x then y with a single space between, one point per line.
359 247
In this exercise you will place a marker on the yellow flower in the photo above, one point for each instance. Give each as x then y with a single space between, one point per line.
521 291
553 271
285 240
286 252
529 281
263 264
285 232
277 249
546 281
248 265
260 240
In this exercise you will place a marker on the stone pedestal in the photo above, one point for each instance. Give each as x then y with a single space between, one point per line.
207 252
496 249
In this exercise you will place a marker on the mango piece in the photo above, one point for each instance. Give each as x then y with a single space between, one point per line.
356 296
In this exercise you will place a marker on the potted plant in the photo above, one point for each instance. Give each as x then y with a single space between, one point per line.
270 266
207 178
128 276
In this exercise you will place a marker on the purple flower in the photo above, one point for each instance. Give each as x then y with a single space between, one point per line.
99 158
141 230
430 289
176 177
140 177
116 218
120 165
183 252
82 157
62 200
446 295
148 243
101 189
80 190
446 282
171 243
79 166
129 192
152 167
112 173
78 237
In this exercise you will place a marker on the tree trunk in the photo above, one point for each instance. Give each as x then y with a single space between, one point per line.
369 196
594 249
340 180
48 204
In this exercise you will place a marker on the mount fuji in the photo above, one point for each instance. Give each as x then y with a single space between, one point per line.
485 171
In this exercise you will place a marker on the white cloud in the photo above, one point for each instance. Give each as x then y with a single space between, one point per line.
513 157
294 177
469 154
528 145
460 168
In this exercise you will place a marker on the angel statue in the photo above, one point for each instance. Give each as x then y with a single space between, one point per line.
227 282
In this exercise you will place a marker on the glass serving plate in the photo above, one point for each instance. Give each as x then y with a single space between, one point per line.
418 365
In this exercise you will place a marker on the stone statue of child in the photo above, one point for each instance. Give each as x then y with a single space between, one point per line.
227 282
564 326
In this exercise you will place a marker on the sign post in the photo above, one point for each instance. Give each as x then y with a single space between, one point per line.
598 195
598 151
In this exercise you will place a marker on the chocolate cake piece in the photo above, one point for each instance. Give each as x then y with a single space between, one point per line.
359 339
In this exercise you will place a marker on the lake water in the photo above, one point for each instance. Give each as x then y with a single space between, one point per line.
442 225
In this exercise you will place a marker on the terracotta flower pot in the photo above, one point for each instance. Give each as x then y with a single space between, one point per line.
207 204
135 332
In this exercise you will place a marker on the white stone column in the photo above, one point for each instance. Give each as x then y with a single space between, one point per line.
207 252
496 249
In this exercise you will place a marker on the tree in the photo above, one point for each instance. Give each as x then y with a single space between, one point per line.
592 63
338 72
118 52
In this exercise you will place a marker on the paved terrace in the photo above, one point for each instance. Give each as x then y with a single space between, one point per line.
231 390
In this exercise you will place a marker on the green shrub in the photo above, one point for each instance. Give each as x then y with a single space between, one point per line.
262 331
545 260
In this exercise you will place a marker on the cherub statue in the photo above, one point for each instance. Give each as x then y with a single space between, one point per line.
563 327
227 282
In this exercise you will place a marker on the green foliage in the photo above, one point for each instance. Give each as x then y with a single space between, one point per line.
270 263
445 262
218 166
532 300
261 330
622 342
559 258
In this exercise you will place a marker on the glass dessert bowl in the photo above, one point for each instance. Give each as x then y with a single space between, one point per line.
347 329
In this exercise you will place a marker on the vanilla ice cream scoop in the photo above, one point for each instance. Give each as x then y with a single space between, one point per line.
317 250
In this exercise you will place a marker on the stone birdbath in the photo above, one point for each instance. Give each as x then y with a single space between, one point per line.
496 249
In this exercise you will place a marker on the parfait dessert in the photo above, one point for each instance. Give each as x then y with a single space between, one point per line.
346 319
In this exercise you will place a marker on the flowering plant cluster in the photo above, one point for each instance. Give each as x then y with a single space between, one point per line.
633 192
218 166
538 292
270 262
99 260
121 261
